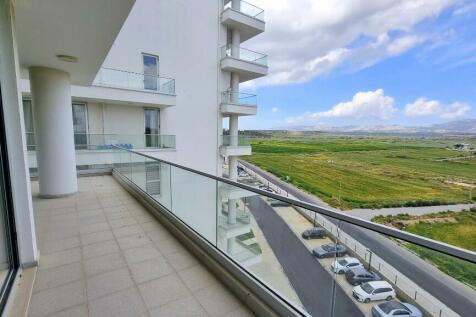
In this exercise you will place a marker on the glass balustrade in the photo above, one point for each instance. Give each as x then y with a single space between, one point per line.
246 8
244 54
115 78
354 268
239 98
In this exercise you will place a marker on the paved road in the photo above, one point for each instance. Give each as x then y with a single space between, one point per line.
312 283
459 297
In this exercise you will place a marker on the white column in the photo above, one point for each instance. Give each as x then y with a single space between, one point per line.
233 167
233 130
234 87
51 96
236 4
235 43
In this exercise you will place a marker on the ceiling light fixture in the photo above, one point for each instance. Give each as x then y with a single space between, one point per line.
67 58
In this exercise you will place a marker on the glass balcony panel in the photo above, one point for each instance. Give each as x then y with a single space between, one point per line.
246 8
115 78
194 201
239 98
244 54
235 140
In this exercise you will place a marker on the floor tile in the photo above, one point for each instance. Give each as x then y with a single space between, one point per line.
150 269
163 290
60 258
57 276
125 303
133 241
109 282
105 263
181 260
217 300
141 253
100 249
197 277
96 237
56 299
183 307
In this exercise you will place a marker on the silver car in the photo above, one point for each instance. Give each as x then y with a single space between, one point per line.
394 308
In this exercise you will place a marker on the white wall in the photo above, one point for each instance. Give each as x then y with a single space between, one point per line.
185 36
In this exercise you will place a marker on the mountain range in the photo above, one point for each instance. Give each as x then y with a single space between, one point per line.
466 126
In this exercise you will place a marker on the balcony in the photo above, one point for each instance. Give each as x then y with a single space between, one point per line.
238 103
245 17
235 145
123 245
126 88
96 151
247 64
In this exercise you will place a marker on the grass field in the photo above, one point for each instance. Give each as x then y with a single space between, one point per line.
371 172
460 232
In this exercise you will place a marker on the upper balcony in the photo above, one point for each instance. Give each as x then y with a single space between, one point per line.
128 88
245 17
238 103
247 64
235 145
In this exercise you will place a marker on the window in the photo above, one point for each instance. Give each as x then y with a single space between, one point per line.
151 71
152 127
29 129
80 123
8 249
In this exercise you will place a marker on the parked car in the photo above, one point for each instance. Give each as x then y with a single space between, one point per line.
372 291
314 233
343 265
394 308
278 203
359 275
328 250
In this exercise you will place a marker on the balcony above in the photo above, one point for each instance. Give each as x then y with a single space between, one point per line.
245 17
129 87
233 145
237 103
247 64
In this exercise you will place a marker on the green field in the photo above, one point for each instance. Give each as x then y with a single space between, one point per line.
371 172
461 232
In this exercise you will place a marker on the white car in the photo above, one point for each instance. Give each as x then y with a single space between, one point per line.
394 308
375 290
341 266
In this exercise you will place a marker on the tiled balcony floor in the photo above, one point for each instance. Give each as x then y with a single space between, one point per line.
102 254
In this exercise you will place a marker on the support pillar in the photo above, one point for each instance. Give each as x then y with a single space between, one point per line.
55 153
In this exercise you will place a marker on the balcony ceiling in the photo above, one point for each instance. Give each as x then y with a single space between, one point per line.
85 29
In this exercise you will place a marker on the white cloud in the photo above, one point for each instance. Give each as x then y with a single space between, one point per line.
274 109
422 107
369 104
309 38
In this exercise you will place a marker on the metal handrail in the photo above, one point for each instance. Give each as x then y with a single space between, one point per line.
445 248
135 73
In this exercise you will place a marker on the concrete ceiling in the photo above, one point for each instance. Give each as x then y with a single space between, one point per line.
85 29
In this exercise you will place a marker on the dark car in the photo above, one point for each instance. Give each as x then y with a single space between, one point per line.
329 250
359 275
314 233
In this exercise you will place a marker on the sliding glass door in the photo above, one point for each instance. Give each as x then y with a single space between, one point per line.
152 119
8 249
80 123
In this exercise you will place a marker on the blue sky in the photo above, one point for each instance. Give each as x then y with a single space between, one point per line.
415 68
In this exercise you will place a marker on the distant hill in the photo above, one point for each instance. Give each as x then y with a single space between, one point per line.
467 126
